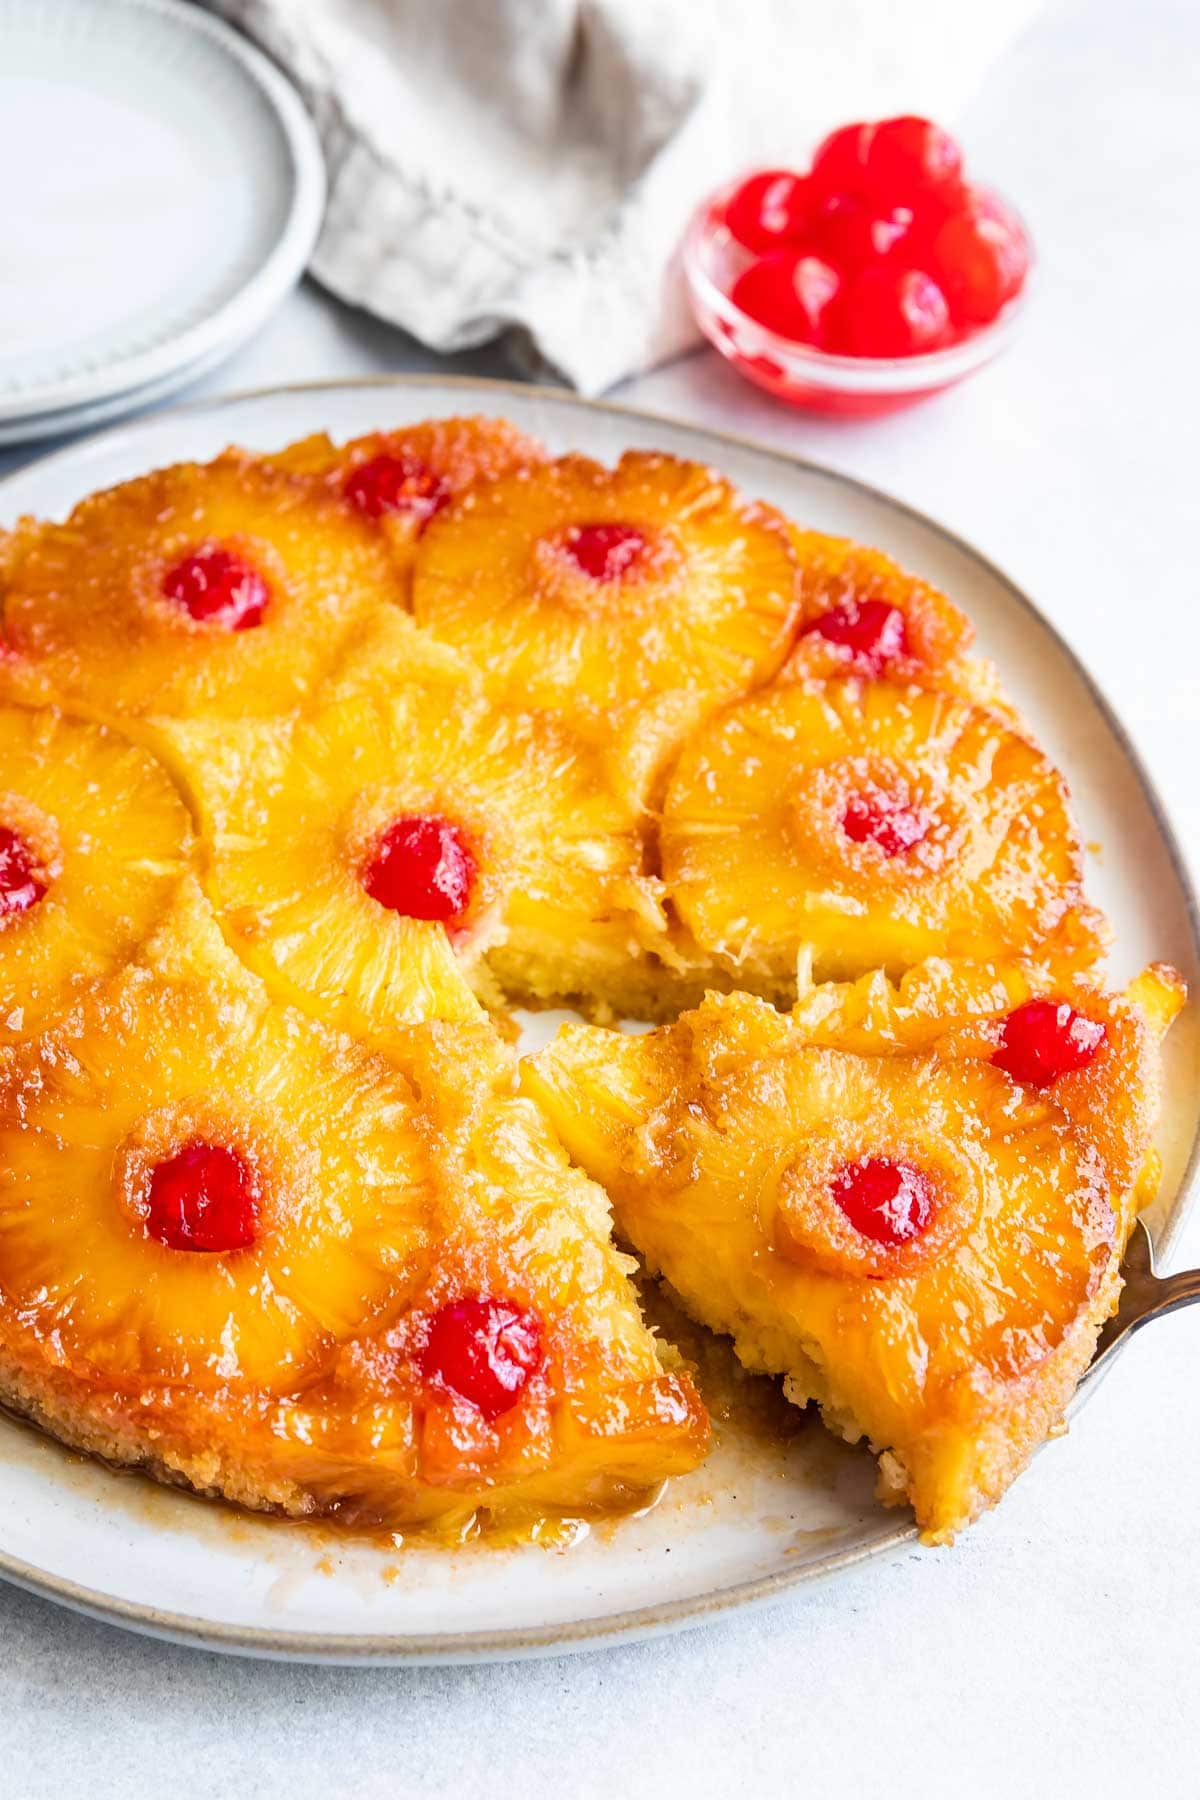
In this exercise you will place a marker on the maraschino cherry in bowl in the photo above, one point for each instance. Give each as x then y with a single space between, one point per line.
876 277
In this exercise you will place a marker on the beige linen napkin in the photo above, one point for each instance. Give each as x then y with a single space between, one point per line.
525 168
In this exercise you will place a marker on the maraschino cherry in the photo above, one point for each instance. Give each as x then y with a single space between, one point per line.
1044 1039
423 867
20 885
891 1202
913 159
484 1350
872 632
980 258
606 552
770 211
893 311
839 164
791 293
215 586
202 1198
851 232
390 483
878 819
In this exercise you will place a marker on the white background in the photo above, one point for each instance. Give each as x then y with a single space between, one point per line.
1055 1650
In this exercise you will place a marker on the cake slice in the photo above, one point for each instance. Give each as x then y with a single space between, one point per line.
247 1254
923 1244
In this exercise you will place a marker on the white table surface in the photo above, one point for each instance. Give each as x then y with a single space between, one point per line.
1054 1650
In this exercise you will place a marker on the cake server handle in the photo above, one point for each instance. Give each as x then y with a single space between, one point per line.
1145 1296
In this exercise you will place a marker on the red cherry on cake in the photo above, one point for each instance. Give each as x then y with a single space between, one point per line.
873 633
790 294
396 484
215 586
1044 1039
876 819
891 311
484 1350
20 884
888 1201
202 1198
423 867
605 552
769 211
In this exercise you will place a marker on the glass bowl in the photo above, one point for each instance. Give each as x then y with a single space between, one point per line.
800 374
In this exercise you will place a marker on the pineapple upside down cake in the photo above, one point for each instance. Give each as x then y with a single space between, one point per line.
315 762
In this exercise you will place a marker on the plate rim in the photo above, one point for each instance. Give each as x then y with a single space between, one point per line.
439 1649
415 1649
131 405
248 306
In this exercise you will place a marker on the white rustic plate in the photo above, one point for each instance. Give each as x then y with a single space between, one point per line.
130 403
162 188
752 1522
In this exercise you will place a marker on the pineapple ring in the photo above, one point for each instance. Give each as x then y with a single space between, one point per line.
838 578
112 839
810 1228
1010 1179
290 811
706 608
161 1056
85 607
401 479
762 867
957 1362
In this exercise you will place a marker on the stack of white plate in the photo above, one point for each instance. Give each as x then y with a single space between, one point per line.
161 189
